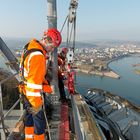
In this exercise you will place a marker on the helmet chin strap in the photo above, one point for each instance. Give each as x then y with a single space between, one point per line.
43 44
46 45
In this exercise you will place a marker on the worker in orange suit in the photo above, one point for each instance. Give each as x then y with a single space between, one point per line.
33 70
61 73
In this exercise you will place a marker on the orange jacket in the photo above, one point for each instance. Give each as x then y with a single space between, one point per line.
34 73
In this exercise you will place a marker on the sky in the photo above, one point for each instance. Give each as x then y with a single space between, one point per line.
96 19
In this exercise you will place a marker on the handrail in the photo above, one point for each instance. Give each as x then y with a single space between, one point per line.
8 78
10 137
1 113
9 111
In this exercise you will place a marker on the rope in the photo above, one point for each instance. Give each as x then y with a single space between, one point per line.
67 34
47 124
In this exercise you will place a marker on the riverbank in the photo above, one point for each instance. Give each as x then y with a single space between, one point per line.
104 73
110 74
107 73
136 65
137 71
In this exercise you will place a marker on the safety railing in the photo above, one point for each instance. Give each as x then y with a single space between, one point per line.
3 115
86 127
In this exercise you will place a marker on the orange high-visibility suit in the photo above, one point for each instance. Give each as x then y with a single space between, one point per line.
61 76
34 71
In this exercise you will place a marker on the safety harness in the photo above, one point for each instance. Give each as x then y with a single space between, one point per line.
26 52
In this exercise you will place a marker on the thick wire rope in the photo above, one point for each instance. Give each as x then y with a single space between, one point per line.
74 36
71 31
64 24
67 34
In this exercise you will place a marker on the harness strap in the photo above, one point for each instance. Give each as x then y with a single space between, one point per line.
26 53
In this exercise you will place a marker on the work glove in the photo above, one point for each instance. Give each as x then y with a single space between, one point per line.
34 110
46 87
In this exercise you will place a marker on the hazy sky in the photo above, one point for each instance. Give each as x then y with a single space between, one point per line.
96 19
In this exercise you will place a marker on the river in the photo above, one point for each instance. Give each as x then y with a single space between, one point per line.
128 86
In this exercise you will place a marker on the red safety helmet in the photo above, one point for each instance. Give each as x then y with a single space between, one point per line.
65 50
55 35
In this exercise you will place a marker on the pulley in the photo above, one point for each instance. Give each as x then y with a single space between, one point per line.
72 10
71 15
70 56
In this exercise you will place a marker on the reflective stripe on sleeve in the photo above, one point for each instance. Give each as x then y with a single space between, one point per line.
25 74
29 136
35 94
34 86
